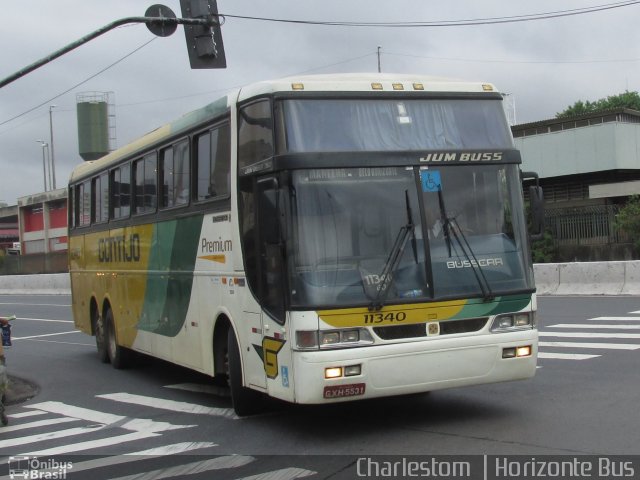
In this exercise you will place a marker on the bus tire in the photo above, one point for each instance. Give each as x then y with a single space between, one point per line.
119 356
245 401
101 338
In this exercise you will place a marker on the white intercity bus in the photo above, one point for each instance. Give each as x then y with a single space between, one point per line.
315 239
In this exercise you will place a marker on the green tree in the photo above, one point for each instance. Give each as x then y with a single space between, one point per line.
622 100
628 220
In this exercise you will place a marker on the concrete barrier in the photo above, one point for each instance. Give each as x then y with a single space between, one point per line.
583 278
51 284
591 278
547 278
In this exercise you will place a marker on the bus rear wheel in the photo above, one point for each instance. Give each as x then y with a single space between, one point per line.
245 401
119 356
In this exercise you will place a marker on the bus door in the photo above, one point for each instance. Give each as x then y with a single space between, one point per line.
276 354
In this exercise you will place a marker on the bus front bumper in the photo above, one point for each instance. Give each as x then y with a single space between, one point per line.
412 367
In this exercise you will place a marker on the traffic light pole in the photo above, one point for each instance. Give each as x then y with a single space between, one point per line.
161 26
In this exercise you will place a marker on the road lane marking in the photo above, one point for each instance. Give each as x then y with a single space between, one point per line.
41 304
592 326
183 407
133 424
41 437
91 444
605 346
39 423
615 319
284 474
20 319
45 335
219 463
589 335
157 452
64 343
566 356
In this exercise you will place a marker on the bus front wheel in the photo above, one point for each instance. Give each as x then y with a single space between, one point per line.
119 356
245 401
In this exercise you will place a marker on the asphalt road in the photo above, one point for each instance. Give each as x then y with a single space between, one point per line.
583 401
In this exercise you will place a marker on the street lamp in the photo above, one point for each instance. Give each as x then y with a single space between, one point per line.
44 145
53 165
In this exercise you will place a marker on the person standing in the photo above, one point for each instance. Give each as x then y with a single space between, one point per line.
4 378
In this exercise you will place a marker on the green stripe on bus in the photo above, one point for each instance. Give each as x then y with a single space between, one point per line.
170 275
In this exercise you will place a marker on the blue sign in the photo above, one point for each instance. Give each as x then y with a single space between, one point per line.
284 373
430 180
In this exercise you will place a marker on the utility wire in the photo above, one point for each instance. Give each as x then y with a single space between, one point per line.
78 84
476 60
448 23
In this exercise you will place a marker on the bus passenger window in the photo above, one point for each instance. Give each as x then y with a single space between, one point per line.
145 184
120 188
214 163
100 199
174 169
84 203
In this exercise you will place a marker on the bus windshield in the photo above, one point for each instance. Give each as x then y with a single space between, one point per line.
348 125
465 238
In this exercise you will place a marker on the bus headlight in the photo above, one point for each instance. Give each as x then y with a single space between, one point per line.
513 321
327 339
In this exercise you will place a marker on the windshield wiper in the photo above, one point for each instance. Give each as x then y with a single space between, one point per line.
393 260
449 226
487 293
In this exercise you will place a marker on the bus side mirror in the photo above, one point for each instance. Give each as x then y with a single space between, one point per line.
536 199
536 206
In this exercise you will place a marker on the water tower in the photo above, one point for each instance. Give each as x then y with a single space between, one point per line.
96 124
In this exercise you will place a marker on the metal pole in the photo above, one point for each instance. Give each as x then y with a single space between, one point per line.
209 22
44 164
379 66
53 163
46 146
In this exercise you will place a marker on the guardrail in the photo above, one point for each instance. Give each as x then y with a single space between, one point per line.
583 278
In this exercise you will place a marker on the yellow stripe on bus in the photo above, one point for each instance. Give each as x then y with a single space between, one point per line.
392 315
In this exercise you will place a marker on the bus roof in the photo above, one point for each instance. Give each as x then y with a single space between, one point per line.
348 82
363 82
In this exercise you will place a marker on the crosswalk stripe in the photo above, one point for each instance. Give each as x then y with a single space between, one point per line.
88 445
566 356
219 463
605 346
31 413
39 423
134 424
589 335
182 407
157 452
598 326
615 319
284 474
14 442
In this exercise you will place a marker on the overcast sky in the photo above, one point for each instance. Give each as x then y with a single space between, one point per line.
545 65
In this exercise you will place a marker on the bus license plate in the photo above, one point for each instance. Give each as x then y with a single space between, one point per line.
351 390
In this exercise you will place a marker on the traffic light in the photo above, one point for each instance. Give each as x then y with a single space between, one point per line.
204 43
